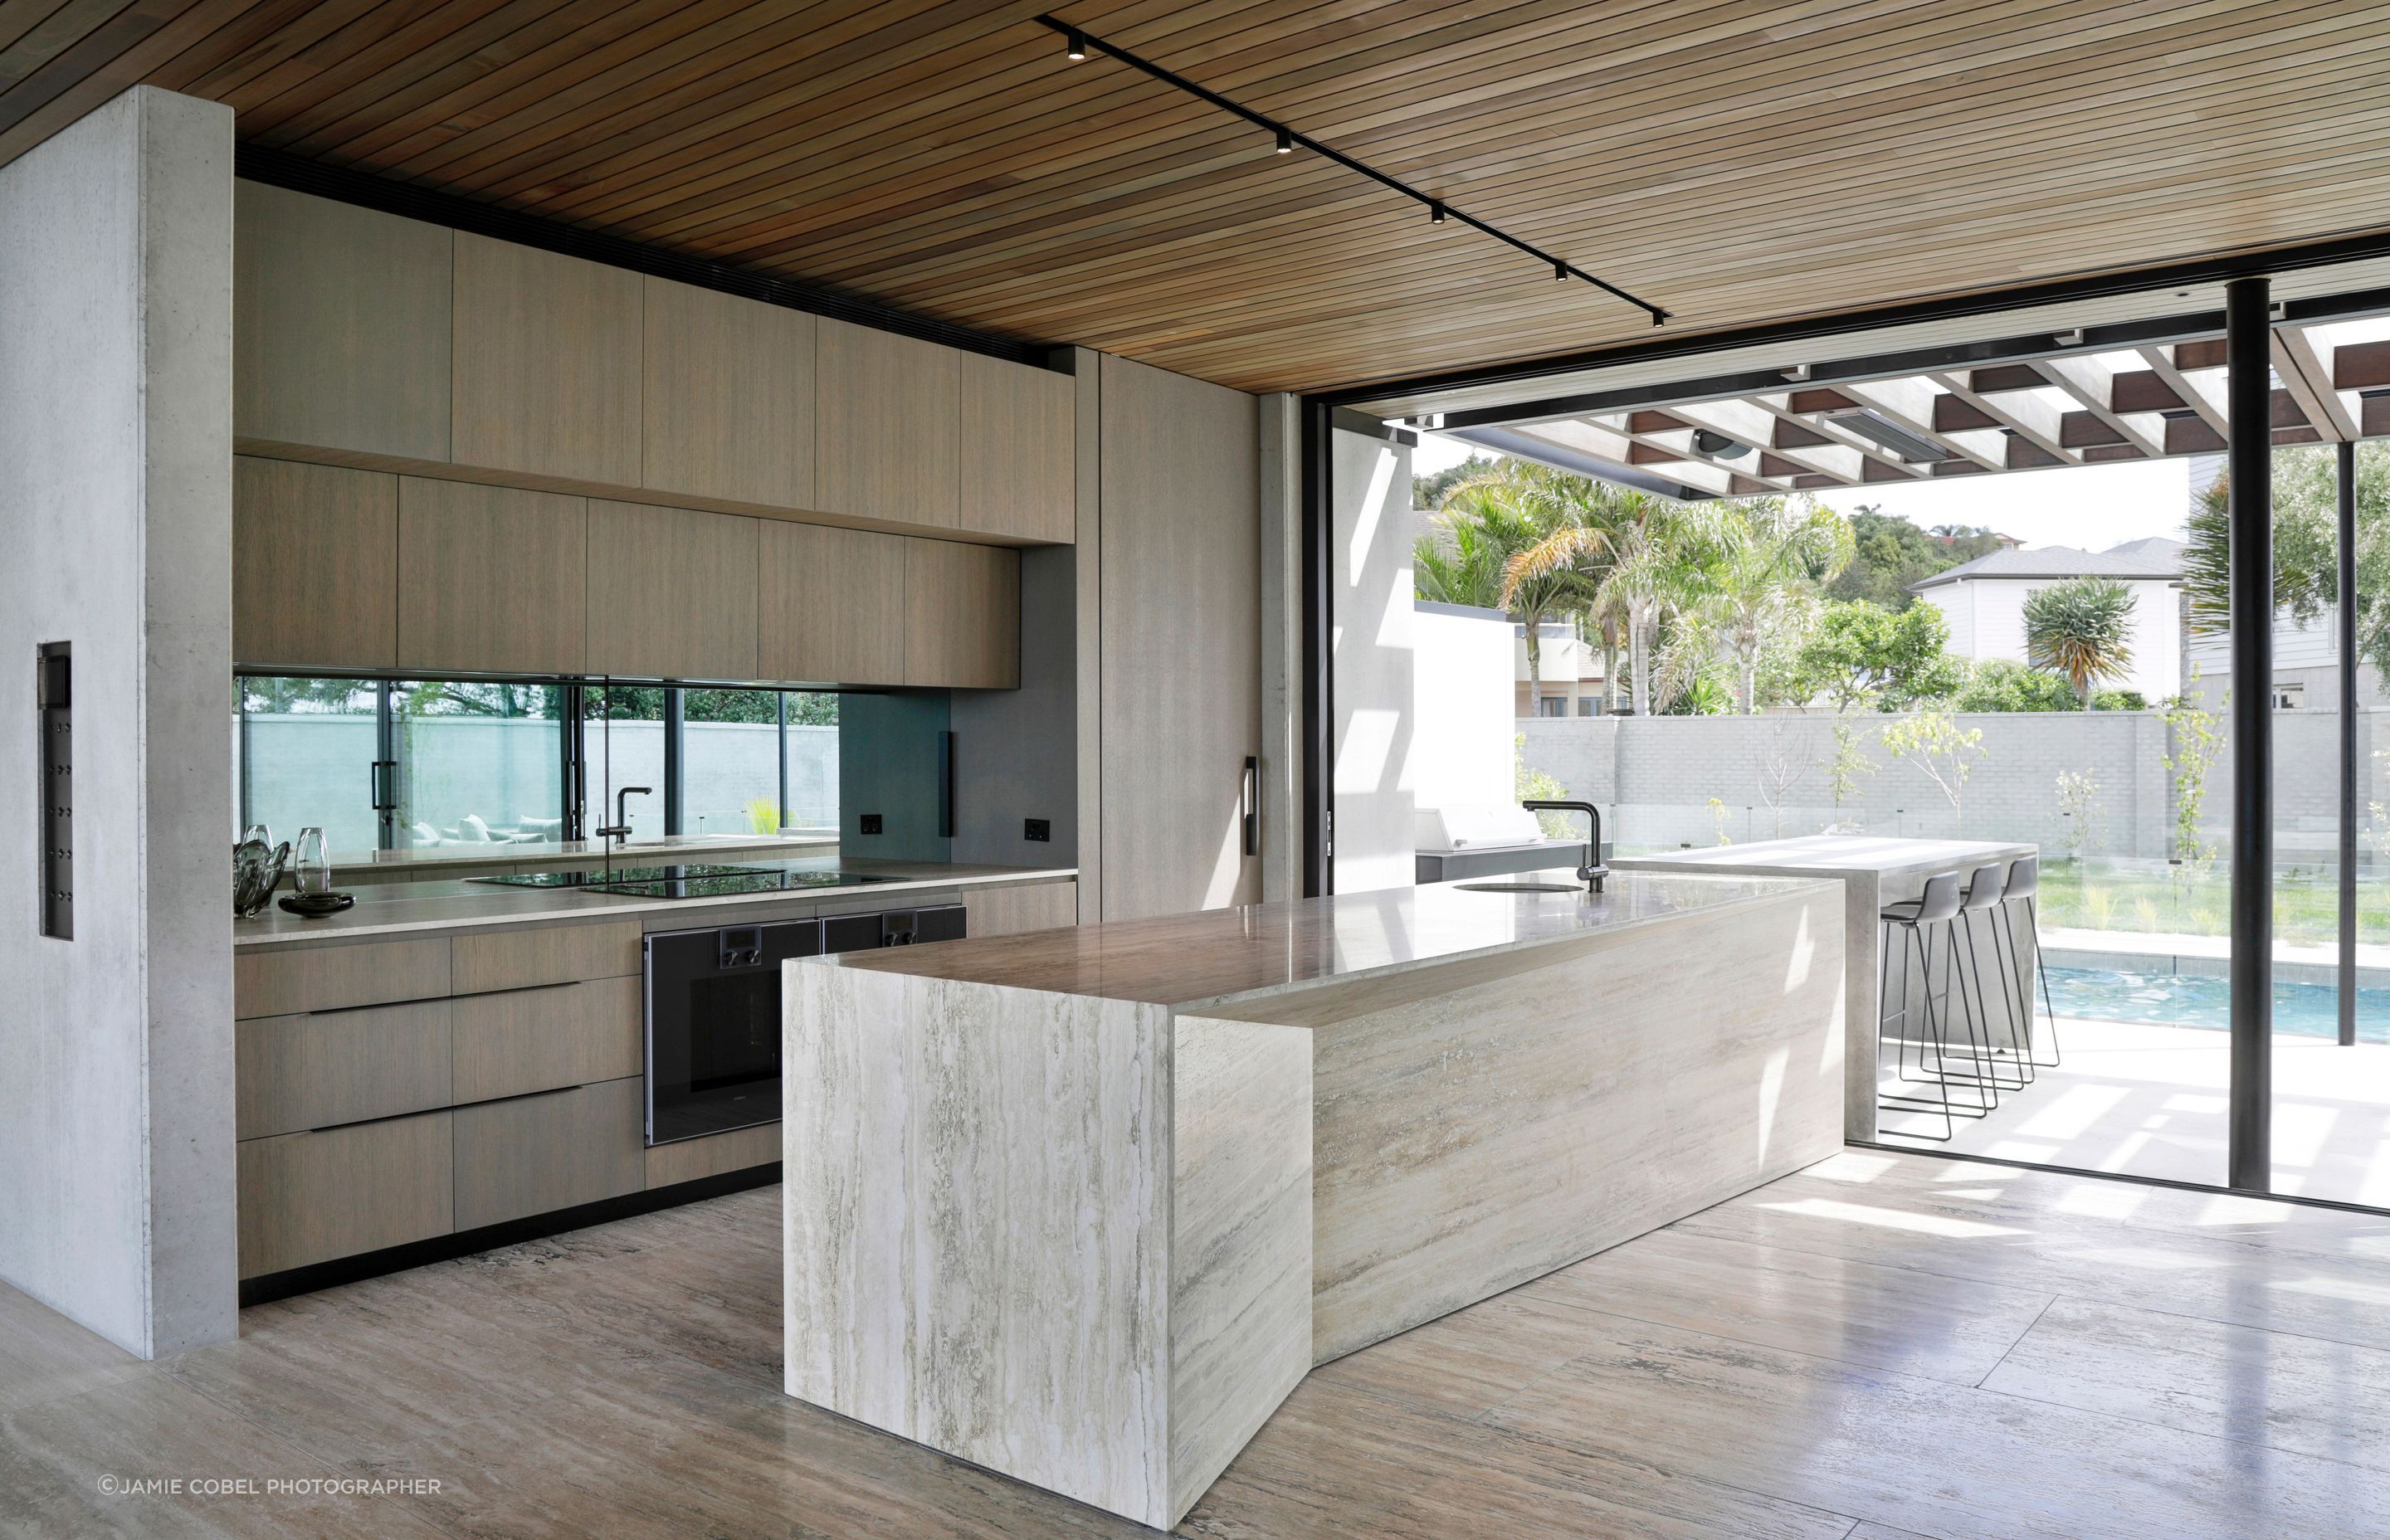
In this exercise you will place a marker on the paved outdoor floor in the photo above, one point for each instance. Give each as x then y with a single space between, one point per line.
2151 1102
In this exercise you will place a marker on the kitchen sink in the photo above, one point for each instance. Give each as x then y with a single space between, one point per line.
1520 887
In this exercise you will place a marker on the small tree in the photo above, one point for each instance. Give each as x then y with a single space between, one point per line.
1941 750
2078 803
2080 628
2193 742
1848 763
1779 769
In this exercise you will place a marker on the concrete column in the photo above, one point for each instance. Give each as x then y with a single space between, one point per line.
116 1047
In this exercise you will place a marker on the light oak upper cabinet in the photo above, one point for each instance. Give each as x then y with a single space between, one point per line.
341 326
1017 451
729 397
315 565
672 592
962 615
886 410
547 363
831 605
491 579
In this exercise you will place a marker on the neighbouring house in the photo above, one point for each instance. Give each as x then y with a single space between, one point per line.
1984 601
1568 667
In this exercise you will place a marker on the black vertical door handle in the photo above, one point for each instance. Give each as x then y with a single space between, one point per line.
1249 796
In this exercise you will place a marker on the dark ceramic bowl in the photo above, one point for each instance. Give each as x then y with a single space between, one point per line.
315 906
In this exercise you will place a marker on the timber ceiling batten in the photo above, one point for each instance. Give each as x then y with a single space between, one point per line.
1753 164
1078 42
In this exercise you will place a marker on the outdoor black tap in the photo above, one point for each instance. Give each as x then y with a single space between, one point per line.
1592 873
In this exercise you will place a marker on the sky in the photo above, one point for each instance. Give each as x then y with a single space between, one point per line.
2089 506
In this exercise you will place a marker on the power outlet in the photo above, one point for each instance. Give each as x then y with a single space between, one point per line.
1036 828
871 823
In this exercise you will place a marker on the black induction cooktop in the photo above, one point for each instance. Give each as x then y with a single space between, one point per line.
690 881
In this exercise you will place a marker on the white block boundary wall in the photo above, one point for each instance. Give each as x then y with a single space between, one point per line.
1658 773
116 1047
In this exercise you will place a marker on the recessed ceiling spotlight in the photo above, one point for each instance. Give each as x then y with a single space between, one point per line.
1076 48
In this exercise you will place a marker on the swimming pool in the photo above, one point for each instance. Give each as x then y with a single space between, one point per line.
2190 1000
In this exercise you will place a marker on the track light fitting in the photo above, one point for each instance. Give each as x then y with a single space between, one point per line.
1081 43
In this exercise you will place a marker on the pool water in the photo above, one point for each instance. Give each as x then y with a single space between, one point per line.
2191 1000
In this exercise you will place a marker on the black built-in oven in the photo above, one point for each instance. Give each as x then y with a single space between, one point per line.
713 1011
713 1025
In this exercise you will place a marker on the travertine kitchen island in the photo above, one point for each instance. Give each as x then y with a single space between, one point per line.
1082 1206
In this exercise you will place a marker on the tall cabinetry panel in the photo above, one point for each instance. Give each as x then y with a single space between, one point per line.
1180 594
491 579
1017 451
547 363
315 565
341 326
729 397
888 422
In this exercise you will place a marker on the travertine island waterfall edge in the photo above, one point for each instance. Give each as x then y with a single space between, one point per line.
1084 1206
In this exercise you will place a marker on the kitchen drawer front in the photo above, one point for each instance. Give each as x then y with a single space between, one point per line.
686 1160
550 955
309 1197
295 1073
335 978
539 1039
536 1153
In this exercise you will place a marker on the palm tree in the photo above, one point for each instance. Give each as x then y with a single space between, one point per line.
1467 570
1770 554
2079 628
1642 558
1519 507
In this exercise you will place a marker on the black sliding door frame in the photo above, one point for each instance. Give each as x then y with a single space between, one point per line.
2249 557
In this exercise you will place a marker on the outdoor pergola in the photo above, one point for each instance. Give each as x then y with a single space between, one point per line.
1846 424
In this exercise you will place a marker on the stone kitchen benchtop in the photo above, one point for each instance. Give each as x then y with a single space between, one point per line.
1224 956
413 908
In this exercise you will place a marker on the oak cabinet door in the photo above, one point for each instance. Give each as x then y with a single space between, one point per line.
887 410
671 592
962 615
491 579
315 565
728 403
1017 451
341 326
830 605
547 365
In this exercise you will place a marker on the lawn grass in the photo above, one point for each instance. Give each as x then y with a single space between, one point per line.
2195 899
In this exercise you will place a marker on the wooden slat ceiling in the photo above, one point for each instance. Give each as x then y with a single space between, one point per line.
1734 161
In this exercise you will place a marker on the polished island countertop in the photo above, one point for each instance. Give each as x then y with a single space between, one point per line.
1218 957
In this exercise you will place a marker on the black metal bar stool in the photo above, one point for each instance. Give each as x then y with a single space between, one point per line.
1984 887
2024 887
1918 921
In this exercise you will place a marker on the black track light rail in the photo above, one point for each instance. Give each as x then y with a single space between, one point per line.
1081 40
